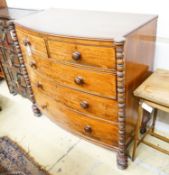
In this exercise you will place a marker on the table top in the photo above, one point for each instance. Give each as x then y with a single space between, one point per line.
15 13
155 88
85 23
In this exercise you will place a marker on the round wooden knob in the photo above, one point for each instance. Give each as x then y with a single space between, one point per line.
39 85
33 64
79 80
44 106
88 129
76 56
26 42
84 104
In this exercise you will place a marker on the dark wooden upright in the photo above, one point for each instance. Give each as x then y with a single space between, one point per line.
10 64
82 68
2 5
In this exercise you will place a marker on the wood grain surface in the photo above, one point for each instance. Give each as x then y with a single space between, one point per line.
35 43
103 132
103 108
88 54
139 58
99 83
155 88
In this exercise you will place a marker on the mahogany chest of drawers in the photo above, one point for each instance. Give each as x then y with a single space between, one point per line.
81 68
10 65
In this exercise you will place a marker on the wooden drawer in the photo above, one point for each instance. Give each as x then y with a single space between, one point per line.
102 56
104 108
101 131
31 44
99 83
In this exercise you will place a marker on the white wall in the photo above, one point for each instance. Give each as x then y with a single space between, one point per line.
160 7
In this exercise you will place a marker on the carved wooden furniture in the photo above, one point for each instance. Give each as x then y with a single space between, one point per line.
1 74
81 68
8 58
154 92
2 5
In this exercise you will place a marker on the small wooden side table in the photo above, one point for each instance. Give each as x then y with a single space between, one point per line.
153 94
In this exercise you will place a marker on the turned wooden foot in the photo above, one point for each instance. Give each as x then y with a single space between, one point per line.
14 93
1 78
122 161
36 110
12 90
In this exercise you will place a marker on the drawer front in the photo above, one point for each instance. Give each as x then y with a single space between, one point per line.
88 104
100 83
102 56
31 44
100 131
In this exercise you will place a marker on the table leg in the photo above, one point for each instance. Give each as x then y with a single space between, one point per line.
154 119
137 130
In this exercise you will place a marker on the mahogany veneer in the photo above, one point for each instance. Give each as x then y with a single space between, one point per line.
81 68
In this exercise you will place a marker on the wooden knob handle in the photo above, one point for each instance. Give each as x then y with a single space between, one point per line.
26 42
79 80
44 106
76 56
84 104
33 64
88 129
39 85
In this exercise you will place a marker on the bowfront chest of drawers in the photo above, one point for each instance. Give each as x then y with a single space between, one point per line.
81 68
10 65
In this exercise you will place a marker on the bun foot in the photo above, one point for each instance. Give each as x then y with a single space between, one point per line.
122 161
36 110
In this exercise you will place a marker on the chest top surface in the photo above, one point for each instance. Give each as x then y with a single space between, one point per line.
15 13
83 23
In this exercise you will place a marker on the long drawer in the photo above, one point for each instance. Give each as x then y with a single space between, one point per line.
101 56
88 104
100 131
88 80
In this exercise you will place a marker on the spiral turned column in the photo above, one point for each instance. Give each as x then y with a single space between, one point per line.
11 28
120 66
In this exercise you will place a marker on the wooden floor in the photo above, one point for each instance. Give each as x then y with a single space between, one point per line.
62 153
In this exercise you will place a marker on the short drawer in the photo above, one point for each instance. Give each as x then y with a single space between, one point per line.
88 80
31 44
103 132
101 56
88 104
